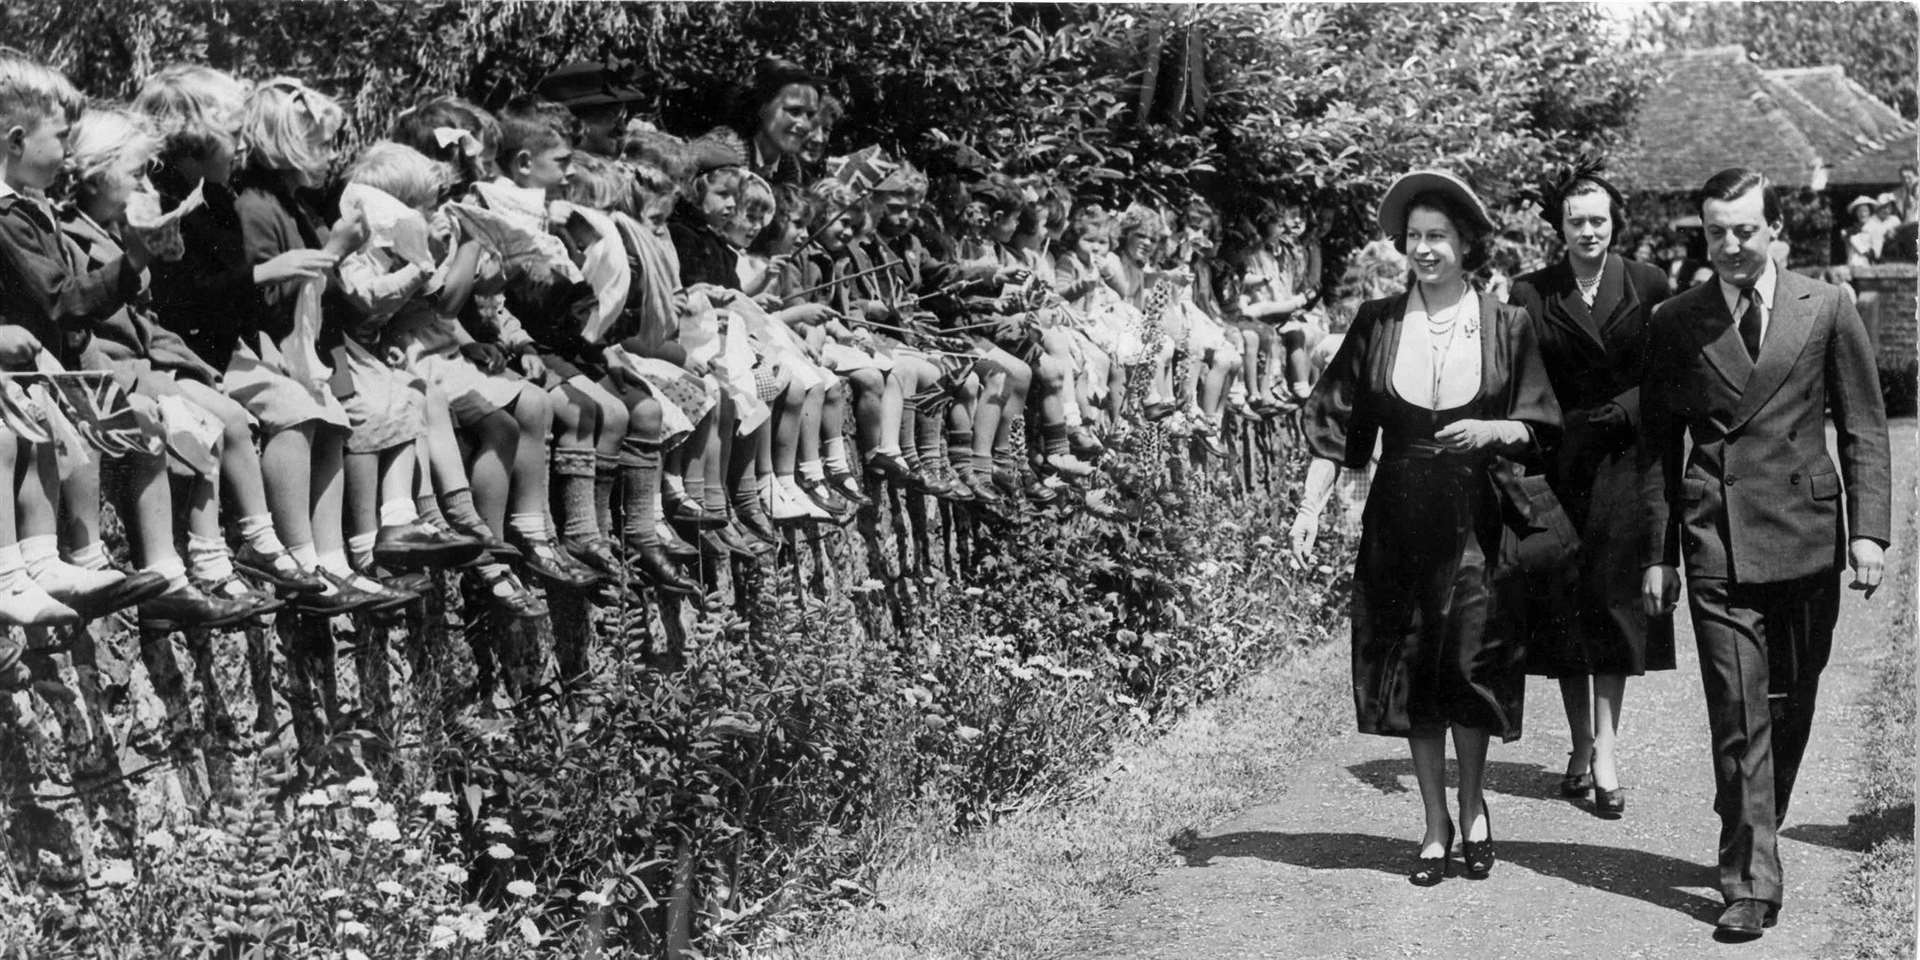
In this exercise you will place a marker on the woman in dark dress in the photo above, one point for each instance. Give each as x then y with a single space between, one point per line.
1450 383
1586 626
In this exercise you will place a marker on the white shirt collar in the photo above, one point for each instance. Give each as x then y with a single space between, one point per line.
1763 288
6 190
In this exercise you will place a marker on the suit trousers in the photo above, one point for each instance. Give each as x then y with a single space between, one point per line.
1762 647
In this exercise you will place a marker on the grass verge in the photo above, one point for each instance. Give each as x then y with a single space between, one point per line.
1023 887
1879 890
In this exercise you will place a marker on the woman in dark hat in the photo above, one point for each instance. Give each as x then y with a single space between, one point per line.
1586 625
1451 385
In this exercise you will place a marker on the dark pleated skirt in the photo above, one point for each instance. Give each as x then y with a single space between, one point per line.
1434 630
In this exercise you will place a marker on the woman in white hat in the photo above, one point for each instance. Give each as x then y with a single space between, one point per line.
1451 384
1864 235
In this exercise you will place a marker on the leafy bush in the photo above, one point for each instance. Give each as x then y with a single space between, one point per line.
734 789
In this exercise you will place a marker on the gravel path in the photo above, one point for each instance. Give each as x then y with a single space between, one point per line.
1321 871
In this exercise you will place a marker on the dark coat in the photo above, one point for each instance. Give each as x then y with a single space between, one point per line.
131 333
1436 615
1587 618
45 285
208 296
1758 500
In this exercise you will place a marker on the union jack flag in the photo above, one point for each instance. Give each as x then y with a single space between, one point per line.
863 169
102 413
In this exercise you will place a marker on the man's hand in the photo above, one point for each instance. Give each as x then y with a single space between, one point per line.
17 346
1007 275
1659 589
1869 561
532 367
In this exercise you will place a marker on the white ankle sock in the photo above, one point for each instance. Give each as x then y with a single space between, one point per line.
304 555
396 513
259 534
208 558
532 526
174 570
92 556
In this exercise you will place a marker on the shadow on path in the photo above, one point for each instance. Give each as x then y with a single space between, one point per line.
1395 776
1650 877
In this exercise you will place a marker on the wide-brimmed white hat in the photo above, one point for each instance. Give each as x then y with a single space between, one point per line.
1862 200
1393 207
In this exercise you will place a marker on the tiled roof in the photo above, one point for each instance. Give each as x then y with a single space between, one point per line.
1829 89
1714 109
1863 140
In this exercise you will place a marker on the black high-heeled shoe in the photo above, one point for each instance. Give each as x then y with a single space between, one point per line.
1609 804
1575 785
1477 856
1432 870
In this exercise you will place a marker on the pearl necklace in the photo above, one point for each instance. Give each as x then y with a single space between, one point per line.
1590 288
1447 329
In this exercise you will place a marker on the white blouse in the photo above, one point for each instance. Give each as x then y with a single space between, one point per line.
1439 372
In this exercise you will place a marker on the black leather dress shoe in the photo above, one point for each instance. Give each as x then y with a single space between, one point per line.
490 545
546 561
187 608
755 522
516 600
286 577
887 465
413 546
653 565
847 485
139 587
1744 919
260 602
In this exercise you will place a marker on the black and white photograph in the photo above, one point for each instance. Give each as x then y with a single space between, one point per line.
928 480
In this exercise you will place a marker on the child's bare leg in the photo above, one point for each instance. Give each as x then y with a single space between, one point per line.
286 464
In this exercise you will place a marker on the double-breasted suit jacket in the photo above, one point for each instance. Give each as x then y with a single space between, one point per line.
1761 517
1587 618
1759 500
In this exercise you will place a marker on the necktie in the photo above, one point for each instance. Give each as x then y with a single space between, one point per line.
1750 322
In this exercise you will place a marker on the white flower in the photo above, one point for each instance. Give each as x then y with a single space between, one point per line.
441 936
435 798
160 840
412 856
352 954
531 931
500 851
443 816
497 825
473 925
591 898
451 872
331 893
974 591
353 928
363 784
391 888
314 798
385 830
521 888
116 873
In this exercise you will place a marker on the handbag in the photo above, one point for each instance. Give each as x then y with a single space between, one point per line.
1540 535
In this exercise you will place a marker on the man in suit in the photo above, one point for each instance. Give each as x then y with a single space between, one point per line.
1747 366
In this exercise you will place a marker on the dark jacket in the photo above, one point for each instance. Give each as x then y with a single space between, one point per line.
45 286
208 296
131 333
1758 500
